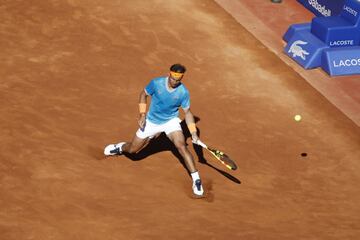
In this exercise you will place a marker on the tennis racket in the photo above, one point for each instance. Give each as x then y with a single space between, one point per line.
222 157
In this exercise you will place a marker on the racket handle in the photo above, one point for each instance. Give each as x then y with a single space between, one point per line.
198 142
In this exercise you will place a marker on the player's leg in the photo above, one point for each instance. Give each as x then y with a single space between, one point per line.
139 141
178 139
176 135
135 145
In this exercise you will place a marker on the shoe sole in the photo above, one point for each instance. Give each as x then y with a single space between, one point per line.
195 196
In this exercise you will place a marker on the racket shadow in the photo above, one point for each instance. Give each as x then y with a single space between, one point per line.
202 160
200 153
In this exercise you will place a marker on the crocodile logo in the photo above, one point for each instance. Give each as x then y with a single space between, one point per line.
297 50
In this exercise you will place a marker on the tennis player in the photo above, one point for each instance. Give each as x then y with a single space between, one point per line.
168 94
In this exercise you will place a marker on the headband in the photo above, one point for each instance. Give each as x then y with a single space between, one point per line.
176 74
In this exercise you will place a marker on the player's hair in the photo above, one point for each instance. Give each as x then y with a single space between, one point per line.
178 68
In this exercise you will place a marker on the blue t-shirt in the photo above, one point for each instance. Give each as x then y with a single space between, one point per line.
165 102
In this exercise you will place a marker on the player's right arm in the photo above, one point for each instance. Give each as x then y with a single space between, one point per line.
147 91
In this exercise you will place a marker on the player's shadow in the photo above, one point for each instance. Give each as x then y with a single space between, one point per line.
162 143
159 144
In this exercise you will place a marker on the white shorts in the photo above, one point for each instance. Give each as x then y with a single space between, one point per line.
151 129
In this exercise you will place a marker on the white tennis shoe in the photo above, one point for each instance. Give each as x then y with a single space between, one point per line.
197 188
113 149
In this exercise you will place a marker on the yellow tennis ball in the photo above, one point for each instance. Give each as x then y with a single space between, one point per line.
297 118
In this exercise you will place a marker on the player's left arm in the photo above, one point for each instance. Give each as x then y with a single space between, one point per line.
190 122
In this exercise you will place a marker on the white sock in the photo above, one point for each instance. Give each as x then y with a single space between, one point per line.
120 145
195 176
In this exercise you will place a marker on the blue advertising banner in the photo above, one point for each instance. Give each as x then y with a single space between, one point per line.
341 61
324 7
294 29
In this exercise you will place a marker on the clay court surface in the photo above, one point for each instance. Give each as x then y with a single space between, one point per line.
71 72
